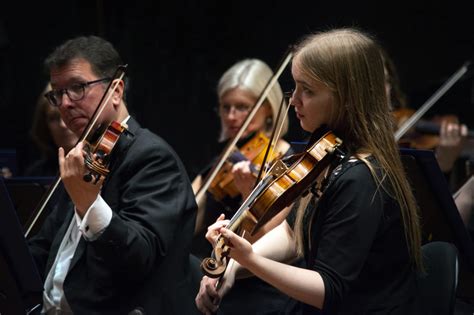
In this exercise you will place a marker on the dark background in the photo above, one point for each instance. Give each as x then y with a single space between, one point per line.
177 50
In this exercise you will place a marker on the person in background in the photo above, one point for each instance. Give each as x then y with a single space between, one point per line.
238 91
48 132
452 134
358 231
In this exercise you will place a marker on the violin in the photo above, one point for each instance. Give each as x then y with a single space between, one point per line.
411 118
254 151
417 137
96 154
98 151
275 192
425 133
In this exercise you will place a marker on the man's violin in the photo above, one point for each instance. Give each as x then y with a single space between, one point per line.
98 152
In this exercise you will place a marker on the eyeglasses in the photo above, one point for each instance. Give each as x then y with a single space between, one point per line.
239 108
75 92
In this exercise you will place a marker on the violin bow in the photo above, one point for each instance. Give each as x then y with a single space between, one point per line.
273 139
410 122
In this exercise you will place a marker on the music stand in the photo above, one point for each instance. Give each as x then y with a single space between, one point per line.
21 287
464 199
26 193
440 218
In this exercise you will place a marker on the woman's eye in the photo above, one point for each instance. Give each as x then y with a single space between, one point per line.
242 108
307 90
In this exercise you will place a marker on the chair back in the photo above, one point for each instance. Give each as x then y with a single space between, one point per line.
437 285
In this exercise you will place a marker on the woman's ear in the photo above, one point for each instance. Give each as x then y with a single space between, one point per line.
268 115
269 122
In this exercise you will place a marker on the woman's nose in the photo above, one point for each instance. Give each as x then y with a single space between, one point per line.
294 99
231 114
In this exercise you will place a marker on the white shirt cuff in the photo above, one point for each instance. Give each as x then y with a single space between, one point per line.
96 219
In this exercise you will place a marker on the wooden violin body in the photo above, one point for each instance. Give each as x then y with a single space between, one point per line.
275 192
253 150
425 133
98 152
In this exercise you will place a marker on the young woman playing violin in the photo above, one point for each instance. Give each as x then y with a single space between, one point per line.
238 91
360 235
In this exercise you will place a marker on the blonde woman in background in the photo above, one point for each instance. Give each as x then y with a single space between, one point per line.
238 90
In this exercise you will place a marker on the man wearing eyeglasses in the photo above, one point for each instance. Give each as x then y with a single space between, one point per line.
119 245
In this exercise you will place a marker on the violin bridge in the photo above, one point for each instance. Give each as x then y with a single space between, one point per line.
278 168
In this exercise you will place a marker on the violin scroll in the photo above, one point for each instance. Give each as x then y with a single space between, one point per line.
214 267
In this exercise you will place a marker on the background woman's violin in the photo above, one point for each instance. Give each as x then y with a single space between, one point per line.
275 192
425 133
254 151
230 147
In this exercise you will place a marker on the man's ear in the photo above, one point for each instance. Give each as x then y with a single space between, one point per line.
118 93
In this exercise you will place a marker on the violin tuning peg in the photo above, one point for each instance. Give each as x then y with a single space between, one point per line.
329 150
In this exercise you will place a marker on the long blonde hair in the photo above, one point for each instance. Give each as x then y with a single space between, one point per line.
349 63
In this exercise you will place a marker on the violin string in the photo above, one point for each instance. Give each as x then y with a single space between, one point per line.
276 139
279 125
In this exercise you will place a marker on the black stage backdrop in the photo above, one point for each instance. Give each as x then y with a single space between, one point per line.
176 51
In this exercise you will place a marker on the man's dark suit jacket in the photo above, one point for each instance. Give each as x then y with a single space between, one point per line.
141 260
